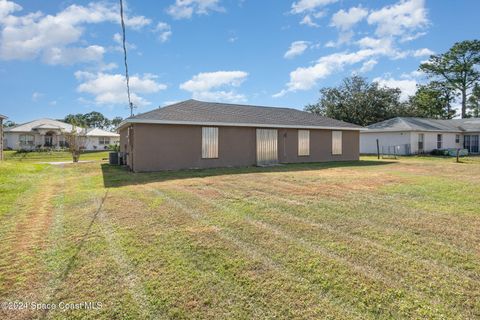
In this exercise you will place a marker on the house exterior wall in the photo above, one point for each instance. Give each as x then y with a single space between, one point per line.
368 144
126 145
12 140
93 143
320 146
155 147
368 140
430 141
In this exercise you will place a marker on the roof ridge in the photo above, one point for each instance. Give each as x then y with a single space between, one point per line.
402 119
244 105
159 107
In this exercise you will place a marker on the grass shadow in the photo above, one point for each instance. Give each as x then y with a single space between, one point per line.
117 176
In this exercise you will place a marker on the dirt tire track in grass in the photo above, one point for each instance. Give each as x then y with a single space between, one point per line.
392 227
365 270
130 278
26 272
347 310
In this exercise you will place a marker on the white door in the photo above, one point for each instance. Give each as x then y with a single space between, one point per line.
267 147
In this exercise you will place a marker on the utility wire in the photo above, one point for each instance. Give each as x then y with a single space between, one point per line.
130 104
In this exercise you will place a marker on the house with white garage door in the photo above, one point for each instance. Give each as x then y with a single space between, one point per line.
408 135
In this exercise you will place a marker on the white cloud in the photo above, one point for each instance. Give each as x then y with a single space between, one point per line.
185 9
330 44
345 20
164 31
37 34
303 6
296 49
110 89
400 19
308 21
368 66
35 95
118 39
305 78
399 22
221 96
216 86
413 36
415 74
408 86
69 56
425 52
344 37
382 46
311 10
8 7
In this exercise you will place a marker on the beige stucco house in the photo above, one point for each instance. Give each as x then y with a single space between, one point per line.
197 134
49 133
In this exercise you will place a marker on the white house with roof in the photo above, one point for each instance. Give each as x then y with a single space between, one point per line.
50 133
419 135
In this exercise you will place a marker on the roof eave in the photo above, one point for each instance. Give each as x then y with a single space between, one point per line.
410 130
230 124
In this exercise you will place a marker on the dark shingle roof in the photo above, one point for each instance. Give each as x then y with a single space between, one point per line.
199 112
423 124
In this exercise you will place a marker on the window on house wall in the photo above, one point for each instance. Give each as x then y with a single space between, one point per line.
336 142
209 142
26 140
421 138
303 142
457 138
104 140
439 141
62 143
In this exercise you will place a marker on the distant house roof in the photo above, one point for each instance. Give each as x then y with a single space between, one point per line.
3 117
96 132
43 123
48 126
51 124
423 124
222 114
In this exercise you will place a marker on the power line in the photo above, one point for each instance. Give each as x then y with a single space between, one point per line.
130 104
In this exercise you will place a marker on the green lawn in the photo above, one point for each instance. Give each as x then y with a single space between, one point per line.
354 240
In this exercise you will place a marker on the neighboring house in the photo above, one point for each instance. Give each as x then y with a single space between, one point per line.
2 117
196 134
420 135
49 133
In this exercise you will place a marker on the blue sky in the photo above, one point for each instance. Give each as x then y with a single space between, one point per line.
60 57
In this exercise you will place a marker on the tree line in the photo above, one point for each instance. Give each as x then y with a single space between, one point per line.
92 119
453 76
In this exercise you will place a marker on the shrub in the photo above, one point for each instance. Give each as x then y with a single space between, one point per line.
439 152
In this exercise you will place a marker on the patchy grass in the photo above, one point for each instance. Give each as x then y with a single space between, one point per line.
369 239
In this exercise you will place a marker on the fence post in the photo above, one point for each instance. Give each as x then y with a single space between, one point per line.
378 150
